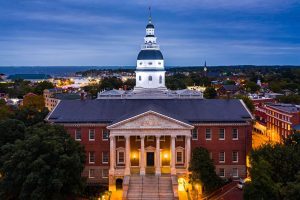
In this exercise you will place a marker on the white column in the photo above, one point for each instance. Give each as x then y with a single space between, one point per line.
157 166
142 160
112 156
173 169
127 153
187 150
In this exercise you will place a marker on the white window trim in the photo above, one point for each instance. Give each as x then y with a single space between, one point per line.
104 139
209 134
90 173
76 135
162 138
237 133
150 138
224 157
179 149
237 172
103 173
103 157
118 152
224 134
196 134
223 174
90 158
237 157
137 138
120 138
90 135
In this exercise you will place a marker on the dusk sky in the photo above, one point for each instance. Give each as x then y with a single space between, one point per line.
99 32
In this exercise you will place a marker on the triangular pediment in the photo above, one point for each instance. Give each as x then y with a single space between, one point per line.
150 120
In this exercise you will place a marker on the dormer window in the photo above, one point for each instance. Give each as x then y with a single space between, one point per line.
150 78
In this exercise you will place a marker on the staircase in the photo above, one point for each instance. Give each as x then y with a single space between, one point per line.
150 187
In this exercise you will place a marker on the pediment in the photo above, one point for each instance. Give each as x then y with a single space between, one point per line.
150 120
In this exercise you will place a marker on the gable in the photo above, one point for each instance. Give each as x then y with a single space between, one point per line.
150 120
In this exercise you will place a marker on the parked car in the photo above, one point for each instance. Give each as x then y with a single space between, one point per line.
242 182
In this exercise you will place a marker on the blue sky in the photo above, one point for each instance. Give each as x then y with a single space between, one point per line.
100 32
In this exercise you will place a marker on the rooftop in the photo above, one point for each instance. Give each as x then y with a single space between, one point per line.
289 108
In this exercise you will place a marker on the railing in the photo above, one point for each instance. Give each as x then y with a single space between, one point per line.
150 46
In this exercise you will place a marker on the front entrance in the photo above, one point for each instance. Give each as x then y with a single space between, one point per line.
150 159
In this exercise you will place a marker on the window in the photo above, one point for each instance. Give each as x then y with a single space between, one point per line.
150 138
210 155
221 172
235 134
105 157
195 134
78 134
235 172
162 138
179 138
222 134
137 138
222 157
140 78
91 173
208 134
179 156
92 134
121 157
160 79
235 156
91 157
150 78
105 134
104 173
149 63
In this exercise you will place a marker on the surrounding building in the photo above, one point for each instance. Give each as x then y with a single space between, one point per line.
281 120
30 77
226 90
153 130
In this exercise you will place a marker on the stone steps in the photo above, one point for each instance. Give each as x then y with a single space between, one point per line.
150 187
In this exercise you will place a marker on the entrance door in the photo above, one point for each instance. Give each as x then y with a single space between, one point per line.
150 159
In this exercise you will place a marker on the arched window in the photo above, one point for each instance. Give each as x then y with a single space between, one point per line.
160 79
140 78
150 78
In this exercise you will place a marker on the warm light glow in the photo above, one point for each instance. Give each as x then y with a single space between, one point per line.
134 156
181 184
166 155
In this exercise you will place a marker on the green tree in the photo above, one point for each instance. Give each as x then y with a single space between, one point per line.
111 83
47 164
10 131
248 102
203 170
41 86
34 102
251 87
31 116
210 93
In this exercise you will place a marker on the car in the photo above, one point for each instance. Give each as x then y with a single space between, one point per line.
242 182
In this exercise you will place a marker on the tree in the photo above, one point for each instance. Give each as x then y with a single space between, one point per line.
47 164
203 170
210 93
41 86
129 83
248 102
34 101
111 83
251 87
30 116
10 131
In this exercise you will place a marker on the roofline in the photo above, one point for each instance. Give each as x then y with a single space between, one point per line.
144 113
50 113
243 103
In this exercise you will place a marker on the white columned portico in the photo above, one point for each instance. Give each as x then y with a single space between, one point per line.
173 169
142 161
157 166
112 155
127 153
188 150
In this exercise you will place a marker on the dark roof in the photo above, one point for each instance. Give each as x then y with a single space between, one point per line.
230 87
289 108
150 25
67 96
150 55
115 110
29 76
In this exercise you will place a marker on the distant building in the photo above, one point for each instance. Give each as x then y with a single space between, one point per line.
30 77
53 96
281 119
230 90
